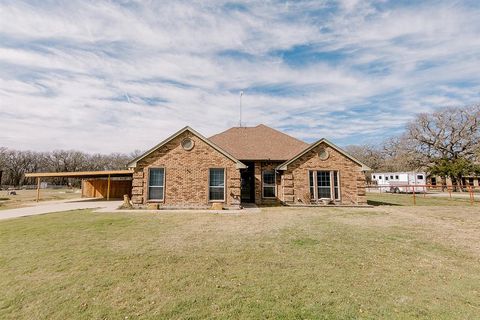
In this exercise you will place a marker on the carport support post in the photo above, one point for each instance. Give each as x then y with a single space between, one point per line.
108 188
38 188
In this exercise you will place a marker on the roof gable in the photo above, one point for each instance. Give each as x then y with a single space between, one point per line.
258 143
284 165
133 163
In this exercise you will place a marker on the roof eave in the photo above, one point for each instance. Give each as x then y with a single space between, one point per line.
133 164
262 160
80 174
241 165
284 166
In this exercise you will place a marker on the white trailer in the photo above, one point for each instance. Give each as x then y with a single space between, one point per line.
397 182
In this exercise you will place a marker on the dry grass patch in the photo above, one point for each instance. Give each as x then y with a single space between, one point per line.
435 199
25 198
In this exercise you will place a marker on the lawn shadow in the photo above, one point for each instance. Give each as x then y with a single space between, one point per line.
382 203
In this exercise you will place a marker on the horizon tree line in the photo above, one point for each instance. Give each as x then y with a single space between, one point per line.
445 143
15 163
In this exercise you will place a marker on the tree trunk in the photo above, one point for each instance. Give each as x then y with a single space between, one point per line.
460 184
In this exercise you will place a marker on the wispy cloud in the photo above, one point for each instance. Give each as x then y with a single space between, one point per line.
117 76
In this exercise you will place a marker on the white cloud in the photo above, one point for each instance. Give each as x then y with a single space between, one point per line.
105 77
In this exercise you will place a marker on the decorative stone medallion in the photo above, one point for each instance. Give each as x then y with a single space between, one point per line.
323 154
188 144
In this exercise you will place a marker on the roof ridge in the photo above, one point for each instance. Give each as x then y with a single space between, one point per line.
259 142
283 133
261 125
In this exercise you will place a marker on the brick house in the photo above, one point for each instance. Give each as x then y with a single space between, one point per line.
245 164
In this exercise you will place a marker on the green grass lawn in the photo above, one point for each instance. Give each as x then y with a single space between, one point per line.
402 199
282 263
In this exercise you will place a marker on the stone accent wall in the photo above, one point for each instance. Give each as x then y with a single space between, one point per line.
186 174
288 192
258 182
295 180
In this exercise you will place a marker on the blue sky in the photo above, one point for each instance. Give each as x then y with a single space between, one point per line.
115 76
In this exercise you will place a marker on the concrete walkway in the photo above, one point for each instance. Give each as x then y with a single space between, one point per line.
100 206
57 206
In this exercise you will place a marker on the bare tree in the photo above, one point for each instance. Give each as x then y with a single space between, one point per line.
448 139
449 133
399 155
14 164
136 153
114 161
371 155
3 152
67 160
17 163
393 154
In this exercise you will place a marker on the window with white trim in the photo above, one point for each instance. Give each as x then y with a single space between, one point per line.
216 187
156 183
324 184
268 184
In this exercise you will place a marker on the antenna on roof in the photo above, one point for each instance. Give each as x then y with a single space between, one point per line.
240 122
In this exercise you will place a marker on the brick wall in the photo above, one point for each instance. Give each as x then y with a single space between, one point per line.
295 180
186 174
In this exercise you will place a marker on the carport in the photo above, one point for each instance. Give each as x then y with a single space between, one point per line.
95 181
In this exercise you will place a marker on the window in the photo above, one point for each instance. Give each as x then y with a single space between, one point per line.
373 176
268 184
379 177
386 178
156 179
217 185
396 177
420 177
434 181
324 184
391 177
